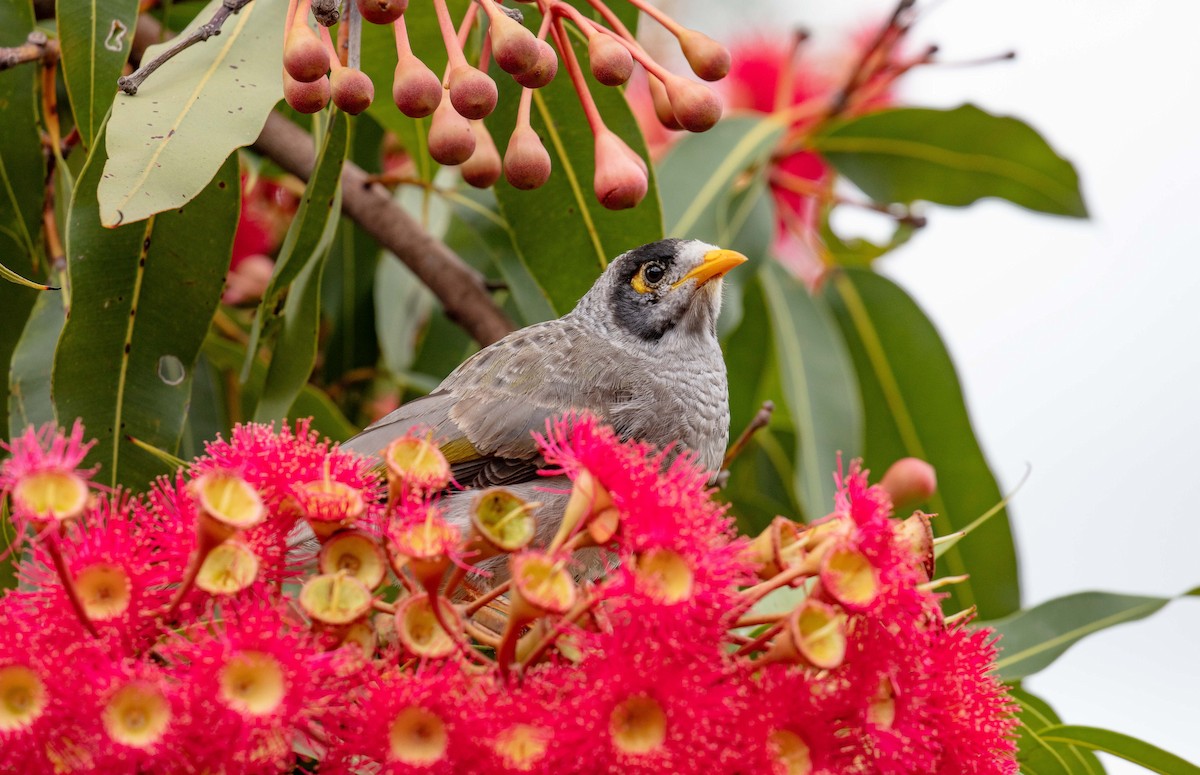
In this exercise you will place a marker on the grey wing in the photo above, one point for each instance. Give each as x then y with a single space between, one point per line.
484 412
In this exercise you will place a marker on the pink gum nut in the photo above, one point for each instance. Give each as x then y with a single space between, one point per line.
620 180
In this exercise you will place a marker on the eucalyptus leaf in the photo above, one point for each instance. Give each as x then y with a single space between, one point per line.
1122 746
1032 639
142 298
819 386
565 237
166 142
1036 715
29 400
298 270
22 176
94 37
952 157
913 407
702 176
309 235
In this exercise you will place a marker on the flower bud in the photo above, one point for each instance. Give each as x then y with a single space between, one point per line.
416 90
619 183
696 107
306 97
514 48
472 92
382 11
543 71
451 140
662 104
304 56
483 168
909 481
352 90
708 58
611 63
526 162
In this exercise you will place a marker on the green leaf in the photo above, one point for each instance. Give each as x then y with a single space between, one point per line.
701 177
22 169
913 406
22 176
94 37
309 234
302 257
565 237
952 157
1037 755
295 350
166 142
327 419
856 251
29 378
1122 746
1031 639
819 387
142 299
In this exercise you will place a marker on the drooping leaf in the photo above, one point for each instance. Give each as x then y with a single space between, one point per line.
1125 747
565 236
913 406
1035 715
952 157
95 37
166 142
857 251
761 477
819 386
142 299
480 234
402 302
1032 639
29 378
298 271
22 172
309 233
703 175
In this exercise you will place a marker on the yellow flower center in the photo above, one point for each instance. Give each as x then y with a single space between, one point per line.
137 716
789 752
665 575
253 683
418 737
104 591
639 725
522 746
22 697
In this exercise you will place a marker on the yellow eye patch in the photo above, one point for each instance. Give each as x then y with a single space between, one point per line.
639 283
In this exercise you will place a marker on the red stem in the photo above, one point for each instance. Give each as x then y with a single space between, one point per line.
60 565
595 122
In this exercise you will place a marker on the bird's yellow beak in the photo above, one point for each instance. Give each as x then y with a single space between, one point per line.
716 264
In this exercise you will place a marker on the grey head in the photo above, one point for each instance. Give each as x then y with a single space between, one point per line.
659 293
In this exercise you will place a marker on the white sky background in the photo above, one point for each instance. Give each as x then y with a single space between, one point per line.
1076 340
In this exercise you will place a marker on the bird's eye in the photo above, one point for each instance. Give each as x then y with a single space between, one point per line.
654 273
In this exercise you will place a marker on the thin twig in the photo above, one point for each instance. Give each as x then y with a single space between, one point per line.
130 83
760 421
35 48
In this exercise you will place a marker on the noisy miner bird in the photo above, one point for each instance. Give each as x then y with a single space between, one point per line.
639 350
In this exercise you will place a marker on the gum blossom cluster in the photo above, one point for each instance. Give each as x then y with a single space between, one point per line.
171 632
460 98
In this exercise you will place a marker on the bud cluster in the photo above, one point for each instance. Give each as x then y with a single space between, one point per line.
642 636
314 74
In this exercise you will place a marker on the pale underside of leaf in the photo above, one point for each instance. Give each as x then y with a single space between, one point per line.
166 142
